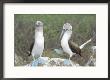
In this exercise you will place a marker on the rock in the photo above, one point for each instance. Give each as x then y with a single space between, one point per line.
92 59
58 51
91 62
46 61
59 62
39 62
66 62
93 48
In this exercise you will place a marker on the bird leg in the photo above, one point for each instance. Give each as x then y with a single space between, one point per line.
70 61
40 55
34 58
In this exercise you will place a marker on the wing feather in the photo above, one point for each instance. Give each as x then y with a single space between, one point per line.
31 47
74 47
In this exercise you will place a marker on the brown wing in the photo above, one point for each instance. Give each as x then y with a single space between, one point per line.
74 47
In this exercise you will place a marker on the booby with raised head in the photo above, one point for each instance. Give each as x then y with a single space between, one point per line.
67 45
37 47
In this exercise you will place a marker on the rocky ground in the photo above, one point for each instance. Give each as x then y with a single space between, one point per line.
46 61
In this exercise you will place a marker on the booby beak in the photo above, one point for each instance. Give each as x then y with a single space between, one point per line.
62 33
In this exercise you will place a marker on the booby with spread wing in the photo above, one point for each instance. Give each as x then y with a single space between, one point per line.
37 47
67 45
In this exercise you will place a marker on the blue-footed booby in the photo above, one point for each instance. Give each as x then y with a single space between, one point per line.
37 47
68 45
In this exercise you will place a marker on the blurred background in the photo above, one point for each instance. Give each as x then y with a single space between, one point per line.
84 28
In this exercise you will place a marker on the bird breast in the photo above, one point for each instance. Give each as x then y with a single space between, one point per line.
65 46
38 45
39 38
39 41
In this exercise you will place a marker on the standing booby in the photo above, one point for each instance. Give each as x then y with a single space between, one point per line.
37 47
67 45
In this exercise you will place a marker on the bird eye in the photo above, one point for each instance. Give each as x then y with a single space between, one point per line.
38 23
66 29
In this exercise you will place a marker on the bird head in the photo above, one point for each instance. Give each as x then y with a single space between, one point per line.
39 24
67 28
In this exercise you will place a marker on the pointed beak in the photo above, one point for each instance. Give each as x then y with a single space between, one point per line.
62 33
